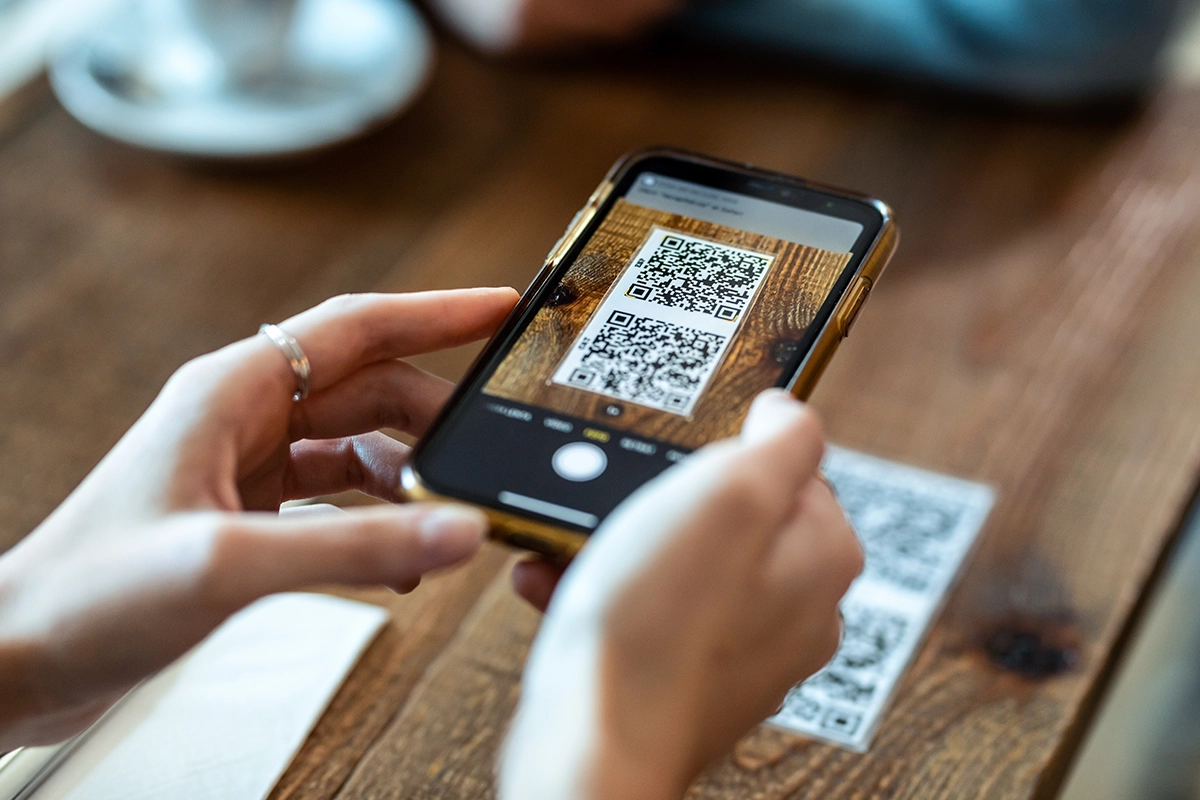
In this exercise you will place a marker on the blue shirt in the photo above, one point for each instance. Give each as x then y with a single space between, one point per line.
1042 50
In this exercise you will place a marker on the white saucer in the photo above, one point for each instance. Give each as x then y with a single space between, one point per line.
351 65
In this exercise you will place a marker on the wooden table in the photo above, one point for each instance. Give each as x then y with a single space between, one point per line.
1037 331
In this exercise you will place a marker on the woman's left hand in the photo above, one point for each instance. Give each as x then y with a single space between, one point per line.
177 528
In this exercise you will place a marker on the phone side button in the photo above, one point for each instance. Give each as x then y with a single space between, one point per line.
577 223
854 304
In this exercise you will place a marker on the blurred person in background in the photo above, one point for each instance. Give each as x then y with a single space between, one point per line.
698 603
1042 51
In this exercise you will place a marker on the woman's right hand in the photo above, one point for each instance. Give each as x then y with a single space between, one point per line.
698 604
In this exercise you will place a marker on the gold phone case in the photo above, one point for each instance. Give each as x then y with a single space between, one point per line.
562 543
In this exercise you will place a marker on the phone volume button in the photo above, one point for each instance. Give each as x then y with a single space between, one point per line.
578 222
600 195
854 303
554 254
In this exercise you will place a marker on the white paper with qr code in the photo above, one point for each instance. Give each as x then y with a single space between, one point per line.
917 529
660 333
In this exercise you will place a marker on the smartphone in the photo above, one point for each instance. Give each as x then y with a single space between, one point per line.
684 287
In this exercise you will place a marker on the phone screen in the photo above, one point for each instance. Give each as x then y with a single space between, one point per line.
693 289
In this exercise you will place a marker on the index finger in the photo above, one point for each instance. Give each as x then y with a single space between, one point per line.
348 332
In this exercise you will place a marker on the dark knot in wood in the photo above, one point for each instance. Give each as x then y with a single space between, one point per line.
1029 653
783 351
562 295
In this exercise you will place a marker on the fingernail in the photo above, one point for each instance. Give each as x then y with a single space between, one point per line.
453 522
772 411
776 396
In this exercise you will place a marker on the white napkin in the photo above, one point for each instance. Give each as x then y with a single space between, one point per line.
224 721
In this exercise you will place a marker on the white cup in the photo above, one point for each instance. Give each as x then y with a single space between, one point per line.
251 37
199 43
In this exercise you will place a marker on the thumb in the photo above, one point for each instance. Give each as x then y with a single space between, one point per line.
260 554
782 441
771 413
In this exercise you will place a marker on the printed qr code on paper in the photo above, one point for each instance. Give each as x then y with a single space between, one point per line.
904 533
645 361
698 275
869 637
917 528
836 700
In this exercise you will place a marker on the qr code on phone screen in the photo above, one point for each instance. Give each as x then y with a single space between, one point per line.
697 275
645 361
661 331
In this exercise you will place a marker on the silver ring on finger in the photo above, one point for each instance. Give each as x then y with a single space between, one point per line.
290 348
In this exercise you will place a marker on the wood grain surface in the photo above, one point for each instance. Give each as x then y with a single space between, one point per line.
797 283
1037 331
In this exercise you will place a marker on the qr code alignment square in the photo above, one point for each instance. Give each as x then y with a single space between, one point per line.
869 638
646 361
699 276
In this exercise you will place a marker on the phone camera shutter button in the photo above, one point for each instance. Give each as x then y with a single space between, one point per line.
579 461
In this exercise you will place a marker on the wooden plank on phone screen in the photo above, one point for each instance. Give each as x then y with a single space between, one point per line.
1057 367
797 283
